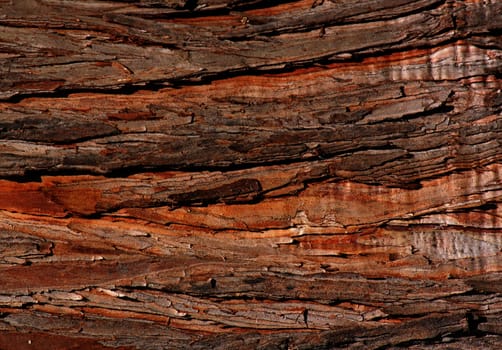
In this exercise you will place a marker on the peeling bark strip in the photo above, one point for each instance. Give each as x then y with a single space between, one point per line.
250 174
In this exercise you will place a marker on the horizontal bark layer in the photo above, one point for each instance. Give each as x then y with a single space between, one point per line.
250 174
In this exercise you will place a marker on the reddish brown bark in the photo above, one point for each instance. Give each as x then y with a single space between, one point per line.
250 174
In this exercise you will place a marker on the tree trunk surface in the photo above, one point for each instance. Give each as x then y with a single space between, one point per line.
226 174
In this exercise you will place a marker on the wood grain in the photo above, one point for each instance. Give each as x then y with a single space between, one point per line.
250 174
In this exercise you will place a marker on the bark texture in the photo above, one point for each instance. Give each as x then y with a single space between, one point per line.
226 174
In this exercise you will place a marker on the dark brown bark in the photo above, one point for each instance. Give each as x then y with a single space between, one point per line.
250 174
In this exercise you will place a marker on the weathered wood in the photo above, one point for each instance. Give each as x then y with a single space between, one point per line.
250 174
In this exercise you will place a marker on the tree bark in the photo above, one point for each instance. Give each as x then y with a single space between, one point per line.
250 174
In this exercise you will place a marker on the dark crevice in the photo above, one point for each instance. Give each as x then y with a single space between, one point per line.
126 171
91 216
196 6
127 298
473 322
443 109
66 92
256 4
190 5
483 207
24 178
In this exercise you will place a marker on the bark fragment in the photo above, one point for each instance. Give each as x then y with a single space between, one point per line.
249 174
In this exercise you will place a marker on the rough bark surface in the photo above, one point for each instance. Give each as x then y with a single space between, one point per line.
226 174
